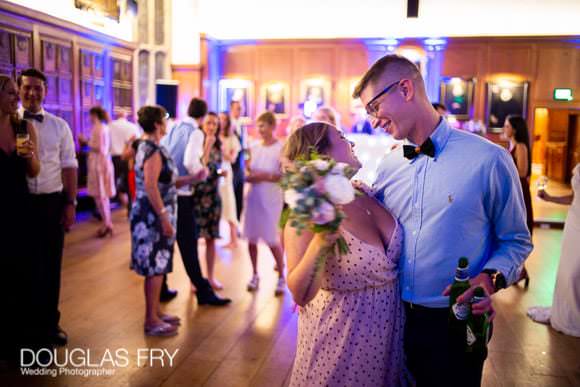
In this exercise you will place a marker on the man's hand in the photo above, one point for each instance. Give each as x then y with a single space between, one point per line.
68 216
482 280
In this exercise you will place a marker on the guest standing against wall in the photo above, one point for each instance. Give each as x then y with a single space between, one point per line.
516 131
122 133
101 177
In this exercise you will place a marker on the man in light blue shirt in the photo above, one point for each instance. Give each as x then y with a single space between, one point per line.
455 195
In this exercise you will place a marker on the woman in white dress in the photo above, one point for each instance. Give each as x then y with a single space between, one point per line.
230 149
263 202
564 315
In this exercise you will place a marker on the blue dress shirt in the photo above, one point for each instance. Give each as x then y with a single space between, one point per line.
466 201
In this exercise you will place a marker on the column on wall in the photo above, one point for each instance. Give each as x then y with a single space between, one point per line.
435 49
186 52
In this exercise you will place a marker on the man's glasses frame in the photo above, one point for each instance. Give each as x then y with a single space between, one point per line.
372 110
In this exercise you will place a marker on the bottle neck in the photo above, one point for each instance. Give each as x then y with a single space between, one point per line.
461 275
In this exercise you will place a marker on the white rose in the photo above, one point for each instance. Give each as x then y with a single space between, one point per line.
338 169
339 189
291 197
321 165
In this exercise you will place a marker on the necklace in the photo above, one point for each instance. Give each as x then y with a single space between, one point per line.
366 210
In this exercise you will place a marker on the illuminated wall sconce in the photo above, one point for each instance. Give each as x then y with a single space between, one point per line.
275 97
240 90
435 44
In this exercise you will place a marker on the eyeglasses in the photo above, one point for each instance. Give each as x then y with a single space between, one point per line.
373 109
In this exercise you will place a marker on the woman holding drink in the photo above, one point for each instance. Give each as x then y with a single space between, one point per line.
18 160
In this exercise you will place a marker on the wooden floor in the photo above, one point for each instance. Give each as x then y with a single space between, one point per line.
252 342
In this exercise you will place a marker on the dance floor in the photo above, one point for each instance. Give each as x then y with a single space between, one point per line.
252 342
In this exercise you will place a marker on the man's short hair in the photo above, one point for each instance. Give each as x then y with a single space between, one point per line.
33 73
197 108
395 63
438 106
233 102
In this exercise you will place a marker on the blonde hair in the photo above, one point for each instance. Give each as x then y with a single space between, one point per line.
330 112
295 123
268 118
308 138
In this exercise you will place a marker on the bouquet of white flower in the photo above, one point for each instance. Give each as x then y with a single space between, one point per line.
314 191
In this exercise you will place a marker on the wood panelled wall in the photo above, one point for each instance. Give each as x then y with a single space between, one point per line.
546 63
84 68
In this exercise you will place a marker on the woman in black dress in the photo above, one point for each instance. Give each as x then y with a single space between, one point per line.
206 199
516 130
18 160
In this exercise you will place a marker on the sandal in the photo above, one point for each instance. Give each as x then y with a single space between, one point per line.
163 329
169 319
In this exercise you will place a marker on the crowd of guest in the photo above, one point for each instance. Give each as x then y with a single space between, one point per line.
178 182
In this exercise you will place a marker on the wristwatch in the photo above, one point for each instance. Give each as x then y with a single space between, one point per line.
497 278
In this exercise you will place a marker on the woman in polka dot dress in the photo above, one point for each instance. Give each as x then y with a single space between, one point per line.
350 329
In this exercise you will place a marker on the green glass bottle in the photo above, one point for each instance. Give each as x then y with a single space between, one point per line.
478 327
459 312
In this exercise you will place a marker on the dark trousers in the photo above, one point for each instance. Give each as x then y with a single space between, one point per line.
187 235
122 179
48 234
238 180
433 357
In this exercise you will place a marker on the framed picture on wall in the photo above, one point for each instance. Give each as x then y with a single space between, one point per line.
22 51
48 56
236 90
505 98
314 93
456 94
275 97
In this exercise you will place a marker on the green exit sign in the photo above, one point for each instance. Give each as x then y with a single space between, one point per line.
563 95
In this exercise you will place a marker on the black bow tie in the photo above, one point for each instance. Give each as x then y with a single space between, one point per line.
427 148
32 116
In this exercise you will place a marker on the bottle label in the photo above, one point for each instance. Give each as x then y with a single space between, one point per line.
470 336
461 311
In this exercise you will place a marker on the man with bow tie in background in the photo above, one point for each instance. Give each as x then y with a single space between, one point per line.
53 201
456 194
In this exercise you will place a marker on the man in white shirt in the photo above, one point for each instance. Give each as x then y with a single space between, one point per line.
238 165
122 132
185 143
53 200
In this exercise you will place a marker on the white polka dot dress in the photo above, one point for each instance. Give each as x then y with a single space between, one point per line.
351 333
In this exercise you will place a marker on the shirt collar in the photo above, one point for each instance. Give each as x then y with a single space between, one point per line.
440 136
191 121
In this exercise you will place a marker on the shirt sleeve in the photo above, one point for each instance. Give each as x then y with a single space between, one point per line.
68 156
194 152
507 213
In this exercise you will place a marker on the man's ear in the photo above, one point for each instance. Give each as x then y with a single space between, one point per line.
407 88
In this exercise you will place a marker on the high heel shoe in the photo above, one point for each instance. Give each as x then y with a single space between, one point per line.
107 231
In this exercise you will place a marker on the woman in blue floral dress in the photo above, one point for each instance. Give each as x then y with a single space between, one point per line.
153 217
